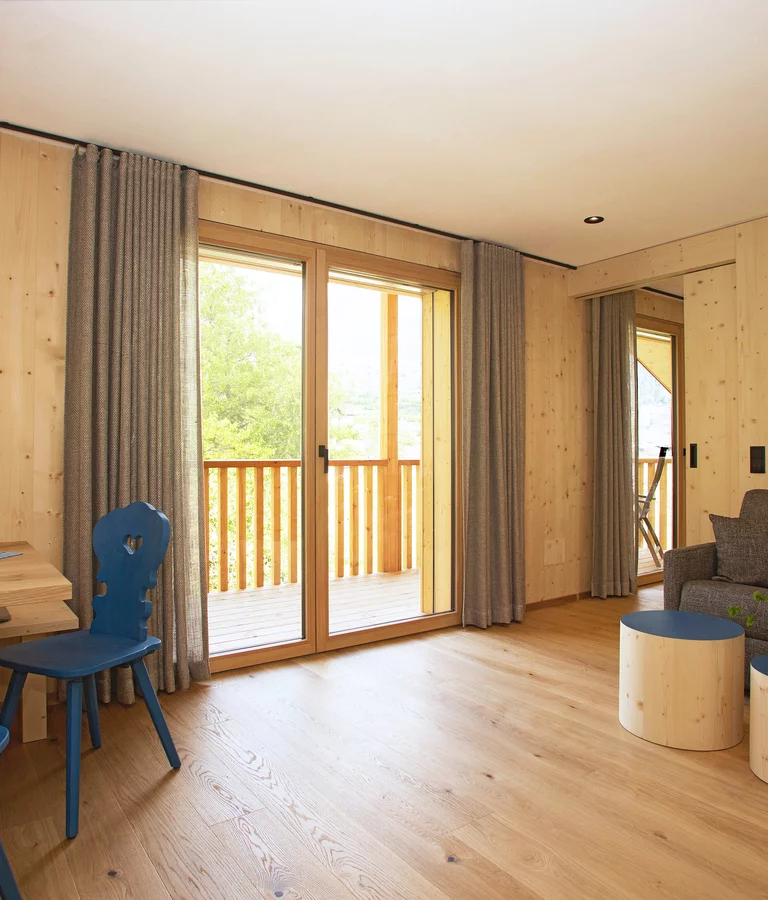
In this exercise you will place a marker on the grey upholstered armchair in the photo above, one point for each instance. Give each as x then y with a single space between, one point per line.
689 582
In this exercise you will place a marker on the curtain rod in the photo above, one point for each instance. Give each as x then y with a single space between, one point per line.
34 132
654 290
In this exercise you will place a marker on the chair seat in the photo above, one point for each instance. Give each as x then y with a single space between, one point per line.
3 738
75 654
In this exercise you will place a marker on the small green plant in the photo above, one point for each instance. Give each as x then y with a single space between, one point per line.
736 611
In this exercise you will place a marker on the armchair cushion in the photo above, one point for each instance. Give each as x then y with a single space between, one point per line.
686 564
715 597
742 550
754 506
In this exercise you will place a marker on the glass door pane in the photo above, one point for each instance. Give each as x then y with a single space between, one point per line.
252 349
390 420
655 476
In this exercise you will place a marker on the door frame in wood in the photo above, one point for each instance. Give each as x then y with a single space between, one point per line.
318 259
677 332
228 237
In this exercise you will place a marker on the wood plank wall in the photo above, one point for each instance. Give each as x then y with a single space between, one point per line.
659 306
247 207
34 234
711 386
558 489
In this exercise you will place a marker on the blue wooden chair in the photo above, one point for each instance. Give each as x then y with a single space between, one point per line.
130 544
9 890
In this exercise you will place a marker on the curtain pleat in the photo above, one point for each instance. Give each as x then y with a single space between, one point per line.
132 402
614 384
493 433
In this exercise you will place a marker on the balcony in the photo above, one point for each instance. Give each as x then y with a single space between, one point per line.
255 560
662 510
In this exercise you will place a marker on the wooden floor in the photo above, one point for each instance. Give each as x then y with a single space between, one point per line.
239 620
458 764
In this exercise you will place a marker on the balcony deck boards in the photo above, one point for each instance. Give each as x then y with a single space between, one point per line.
240 620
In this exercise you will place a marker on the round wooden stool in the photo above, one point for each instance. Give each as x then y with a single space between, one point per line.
758 717
681 679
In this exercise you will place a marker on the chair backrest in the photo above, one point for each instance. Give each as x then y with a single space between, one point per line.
130 544
646 505
754 506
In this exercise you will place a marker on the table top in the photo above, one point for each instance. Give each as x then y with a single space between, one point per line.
30 578
34 592
683 625
760 664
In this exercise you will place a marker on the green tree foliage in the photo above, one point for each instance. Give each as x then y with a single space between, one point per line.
251 376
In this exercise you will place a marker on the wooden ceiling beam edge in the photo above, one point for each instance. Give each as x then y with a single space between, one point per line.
702 251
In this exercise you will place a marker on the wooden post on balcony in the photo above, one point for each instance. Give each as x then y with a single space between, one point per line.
389 475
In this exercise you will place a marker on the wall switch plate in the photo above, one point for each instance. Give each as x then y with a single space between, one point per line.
757 460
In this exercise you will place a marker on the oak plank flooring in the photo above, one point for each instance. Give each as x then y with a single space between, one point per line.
456 764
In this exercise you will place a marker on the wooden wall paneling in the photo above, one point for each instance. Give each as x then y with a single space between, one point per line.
711 385
18 230
558 490
34 234
702 251
752 344
658 306
233 204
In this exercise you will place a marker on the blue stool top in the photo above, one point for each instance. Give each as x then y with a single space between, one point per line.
683 625
760 664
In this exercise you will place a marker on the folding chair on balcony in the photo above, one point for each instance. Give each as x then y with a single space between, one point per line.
644 503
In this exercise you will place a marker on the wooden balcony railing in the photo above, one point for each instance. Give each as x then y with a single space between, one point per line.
253 520
661 514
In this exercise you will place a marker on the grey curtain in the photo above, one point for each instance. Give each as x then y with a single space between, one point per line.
493 433
614 384
132 398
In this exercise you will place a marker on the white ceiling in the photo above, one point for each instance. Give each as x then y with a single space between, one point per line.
509 121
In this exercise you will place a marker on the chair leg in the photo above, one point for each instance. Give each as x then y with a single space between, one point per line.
12 697
74 727
155 711
92 708
656 541
644 526
9 890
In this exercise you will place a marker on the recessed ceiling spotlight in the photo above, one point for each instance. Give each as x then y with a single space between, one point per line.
594 220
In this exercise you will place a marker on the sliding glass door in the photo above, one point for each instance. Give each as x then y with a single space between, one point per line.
252 343
330 460
390 462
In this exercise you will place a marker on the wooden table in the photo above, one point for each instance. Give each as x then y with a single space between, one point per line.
681 679
34 593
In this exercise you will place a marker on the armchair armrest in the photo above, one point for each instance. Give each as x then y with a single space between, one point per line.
695 563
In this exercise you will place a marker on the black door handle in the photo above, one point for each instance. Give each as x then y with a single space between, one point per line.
322 452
